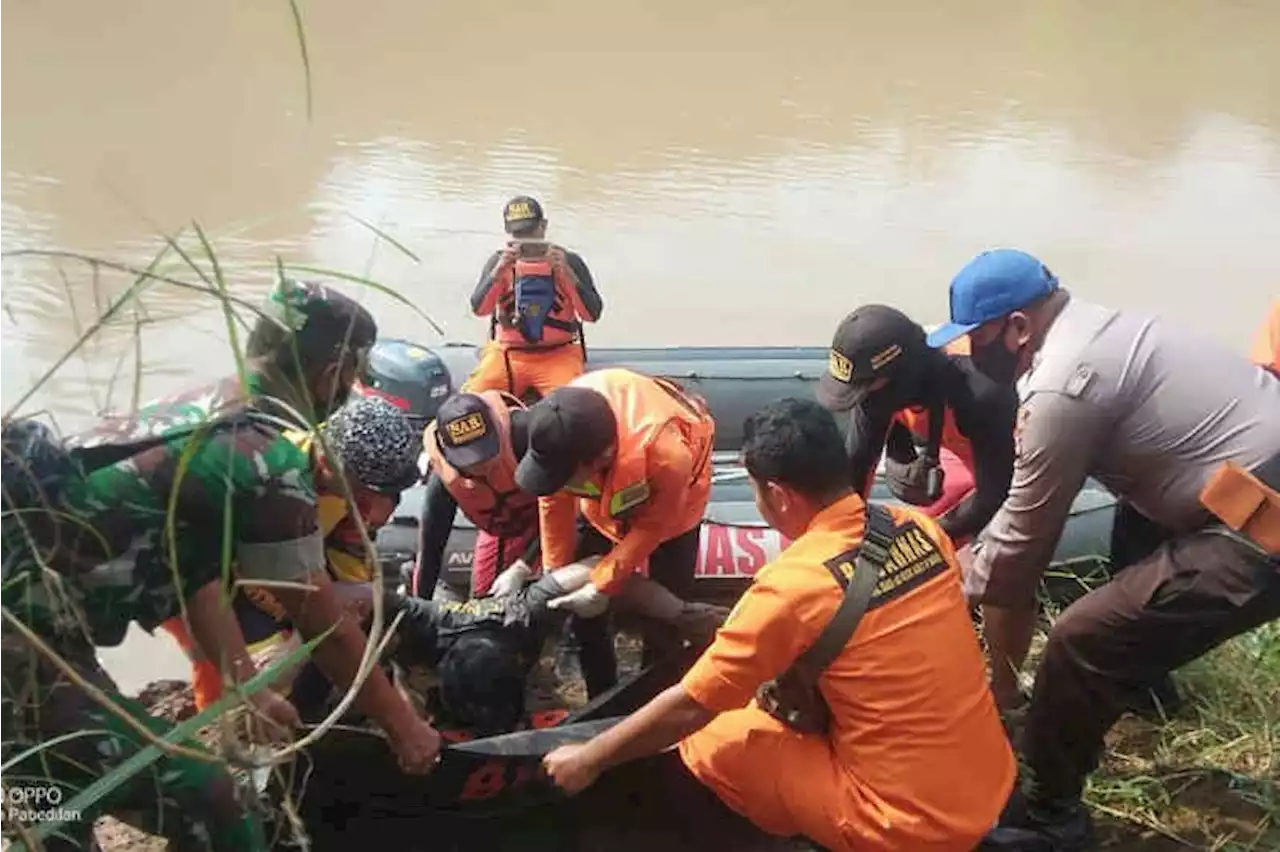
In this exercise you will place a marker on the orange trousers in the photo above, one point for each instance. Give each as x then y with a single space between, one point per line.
518 371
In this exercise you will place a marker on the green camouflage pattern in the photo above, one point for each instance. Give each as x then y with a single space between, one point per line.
123 555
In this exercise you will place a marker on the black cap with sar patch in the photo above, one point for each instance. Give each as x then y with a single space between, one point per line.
468 436
871 343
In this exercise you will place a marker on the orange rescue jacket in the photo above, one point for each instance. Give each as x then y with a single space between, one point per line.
494 503
646 409
562 324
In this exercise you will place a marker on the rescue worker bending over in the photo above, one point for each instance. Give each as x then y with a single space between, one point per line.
377 451
474 445
900 747
537 294
1179 427
919 400
484 648
632 453
143 537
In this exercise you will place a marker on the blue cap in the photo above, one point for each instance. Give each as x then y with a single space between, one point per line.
992 285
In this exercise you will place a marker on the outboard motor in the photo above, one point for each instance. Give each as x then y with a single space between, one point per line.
412 377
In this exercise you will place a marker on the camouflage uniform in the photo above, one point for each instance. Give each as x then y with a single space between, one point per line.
122 555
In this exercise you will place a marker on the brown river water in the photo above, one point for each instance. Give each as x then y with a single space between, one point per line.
734 173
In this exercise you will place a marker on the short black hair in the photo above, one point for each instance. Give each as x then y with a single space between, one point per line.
796 442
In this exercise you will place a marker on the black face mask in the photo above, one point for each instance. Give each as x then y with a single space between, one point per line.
995 360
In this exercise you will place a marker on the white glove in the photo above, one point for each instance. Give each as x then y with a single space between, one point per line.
511 580
586 602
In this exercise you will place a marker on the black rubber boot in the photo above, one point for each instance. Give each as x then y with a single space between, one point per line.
1062 825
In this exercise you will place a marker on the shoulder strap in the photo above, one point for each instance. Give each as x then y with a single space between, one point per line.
933 442
872 554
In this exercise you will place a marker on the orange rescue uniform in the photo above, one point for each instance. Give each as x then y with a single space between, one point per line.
916 757
656 488
1266 346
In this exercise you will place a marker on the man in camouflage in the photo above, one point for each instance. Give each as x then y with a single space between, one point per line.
213 480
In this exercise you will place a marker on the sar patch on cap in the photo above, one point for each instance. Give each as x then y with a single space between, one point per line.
840 367
520 209
463 430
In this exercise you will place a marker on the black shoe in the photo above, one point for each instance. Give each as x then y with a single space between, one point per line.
1061 826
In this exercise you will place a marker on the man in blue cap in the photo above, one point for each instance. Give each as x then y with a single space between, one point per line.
1183 430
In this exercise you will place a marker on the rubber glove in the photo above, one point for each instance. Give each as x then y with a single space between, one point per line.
512 579
586 602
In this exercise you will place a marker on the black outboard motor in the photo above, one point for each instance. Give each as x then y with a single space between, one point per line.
412 377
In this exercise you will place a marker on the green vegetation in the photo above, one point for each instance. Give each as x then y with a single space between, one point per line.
1208 777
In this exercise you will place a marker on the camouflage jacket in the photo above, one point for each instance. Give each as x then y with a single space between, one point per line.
142 535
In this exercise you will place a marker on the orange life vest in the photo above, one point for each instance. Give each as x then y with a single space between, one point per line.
495 503
561 324
1266 346
644 407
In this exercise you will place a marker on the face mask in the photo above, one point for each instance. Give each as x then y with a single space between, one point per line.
995 360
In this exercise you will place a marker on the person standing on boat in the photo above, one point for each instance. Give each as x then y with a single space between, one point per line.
537 296
474 445
1181 428
632 453
899 745
918 401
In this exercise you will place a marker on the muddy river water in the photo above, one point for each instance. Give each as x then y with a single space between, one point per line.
733 172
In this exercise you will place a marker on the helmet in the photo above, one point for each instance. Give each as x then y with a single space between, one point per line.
35 464
375 443
482 682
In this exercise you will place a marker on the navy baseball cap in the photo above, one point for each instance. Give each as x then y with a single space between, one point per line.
466 431
568 427
521 212
992 285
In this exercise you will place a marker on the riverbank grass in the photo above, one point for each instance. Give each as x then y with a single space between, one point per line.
1209 776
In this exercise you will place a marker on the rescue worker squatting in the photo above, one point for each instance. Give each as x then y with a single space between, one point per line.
537 296
915 755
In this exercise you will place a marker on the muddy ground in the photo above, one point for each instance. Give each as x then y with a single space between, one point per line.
629 813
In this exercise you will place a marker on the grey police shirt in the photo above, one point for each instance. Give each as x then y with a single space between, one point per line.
1149 410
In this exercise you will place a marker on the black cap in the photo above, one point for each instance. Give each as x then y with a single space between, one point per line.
520 213
468 436
870 343
566 428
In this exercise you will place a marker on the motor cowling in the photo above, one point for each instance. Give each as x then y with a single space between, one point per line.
413 378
